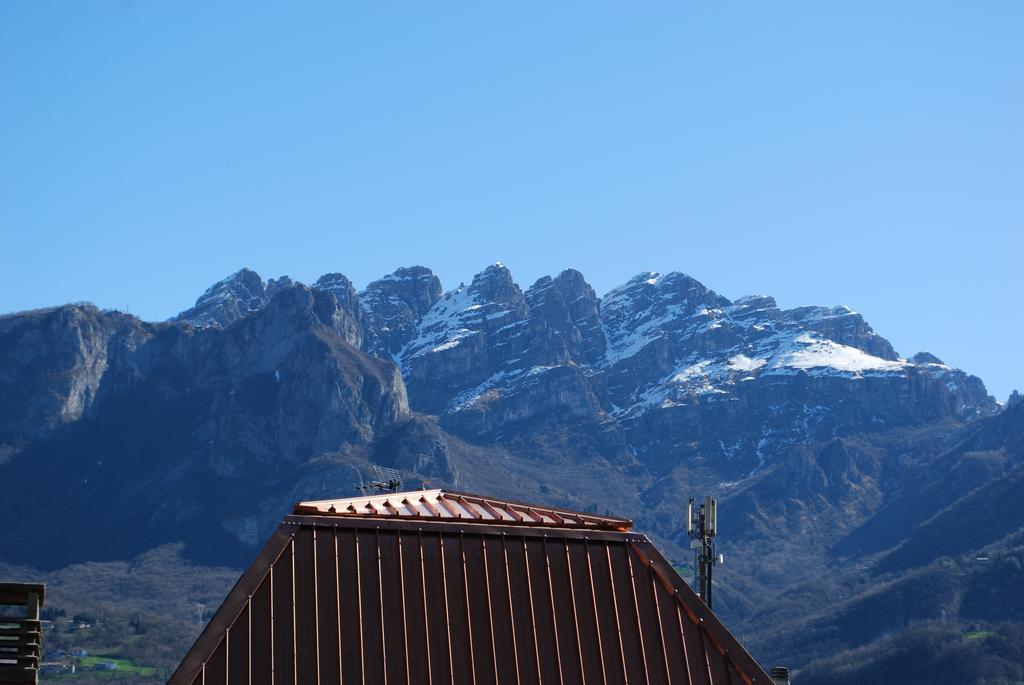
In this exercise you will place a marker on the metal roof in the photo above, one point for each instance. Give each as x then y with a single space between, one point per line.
390 595
444 504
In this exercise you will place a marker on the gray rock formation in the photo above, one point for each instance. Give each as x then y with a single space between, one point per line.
674 363
569 305
844 326
293 384
226 301
695 378
270 391
55 362
815 434
394 307
476 340
171 426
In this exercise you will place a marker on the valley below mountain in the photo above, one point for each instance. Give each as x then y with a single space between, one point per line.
870 509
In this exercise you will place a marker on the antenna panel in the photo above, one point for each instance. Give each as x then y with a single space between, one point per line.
710 511
386 474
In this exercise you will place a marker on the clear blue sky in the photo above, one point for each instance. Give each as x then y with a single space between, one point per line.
864 153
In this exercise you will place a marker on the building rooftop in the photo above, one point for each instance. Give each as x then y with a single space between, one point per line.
446 505
442 587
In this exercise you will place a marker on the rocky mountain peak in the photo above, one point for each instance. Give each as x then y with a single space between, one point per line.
276 285
649 307
843 325
244 282
756 303
342 289
395 304
927 358
571 279
233 298
672 293
569 305
297 305
58 364
351 323
495 284
663 380
228 300
491 303
660 348
478 342
416 286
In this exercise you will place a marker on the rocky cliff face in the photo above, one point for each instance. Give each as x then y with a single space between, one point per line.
288 383
690 376
275 390
694 377
394 307
569 305
227 301
834 458
176 432
54 364
683 376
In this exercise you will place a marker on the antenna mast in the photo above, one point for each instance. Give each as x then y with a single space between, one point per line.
388 480
701 527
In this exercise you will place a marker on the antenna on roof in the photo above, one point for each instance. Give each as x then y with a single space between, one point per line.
701 527
359 475
388 480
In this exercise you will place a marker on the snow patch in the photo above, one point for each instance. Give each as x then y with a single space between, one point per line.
447 346
692 371
812 353
742 362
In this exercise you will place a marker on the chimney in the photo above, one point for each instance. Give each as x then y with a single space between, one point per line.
780 675
21 648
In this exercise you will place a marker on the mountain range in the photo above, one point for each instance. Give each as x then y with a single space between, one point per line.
840 465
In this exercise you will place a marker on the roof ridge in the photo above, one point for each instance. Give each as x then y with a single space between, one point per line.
465 507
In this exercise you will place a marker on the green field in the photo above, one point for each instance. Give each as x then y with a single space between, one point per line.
87 666
976 634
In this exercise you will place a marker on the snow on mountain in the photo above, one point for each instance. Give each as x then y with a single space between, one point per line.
342 289
459 314
684 340
815 355
658 342
476 341
232 298
651 306
394 306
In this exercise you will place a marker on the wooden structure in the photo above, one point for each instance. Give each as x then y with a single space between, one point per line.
20 634
445 587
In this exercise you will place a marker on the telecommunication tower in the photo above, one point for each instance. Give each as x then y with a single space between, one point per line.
701 527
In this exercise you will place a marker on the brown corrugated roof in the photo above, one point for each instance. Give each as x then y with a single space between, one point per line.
444 504
387 594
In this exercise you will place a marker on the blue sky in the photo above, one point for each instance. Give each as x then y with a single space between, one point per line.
864 153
